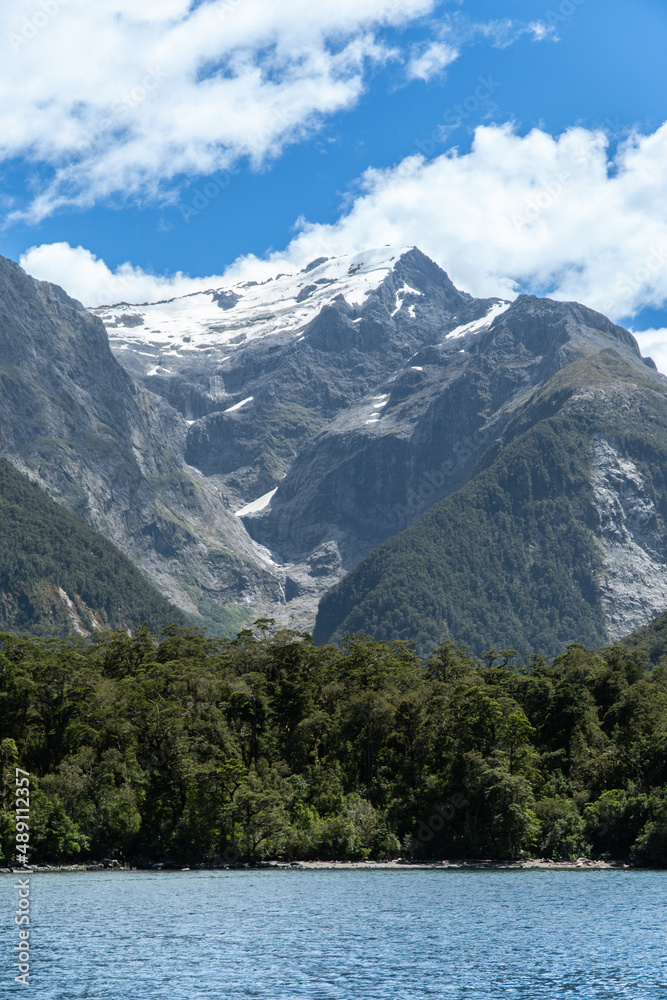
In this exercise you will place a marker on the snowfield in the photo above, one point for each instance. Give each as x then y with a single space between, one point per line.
204 321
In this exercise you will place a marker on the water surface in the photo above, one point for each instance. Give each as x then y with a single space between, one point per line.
342 935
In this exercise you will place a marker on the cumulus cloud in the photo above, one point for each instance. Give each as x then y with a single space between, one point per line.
554 215
89 279
557 215
121 97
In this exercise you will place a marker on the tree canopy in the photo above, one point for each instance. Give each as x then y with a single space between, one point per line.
180 748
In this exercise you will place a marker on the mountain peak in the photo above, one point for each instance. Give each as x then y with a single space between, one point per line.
542 316
249 310
329 409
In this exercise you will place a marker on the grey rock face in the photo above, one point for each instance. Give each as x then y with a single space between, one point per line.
334 371
356 406
381 464
633 584
73 420
364 417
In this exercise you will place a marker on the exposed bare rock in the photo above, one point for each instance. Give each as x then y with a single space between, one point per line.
633 583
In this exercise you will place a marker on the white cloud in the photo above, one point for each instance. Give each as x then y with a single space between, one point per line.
555 215
653 344
431 61
539 30
119 96
87 278
506 32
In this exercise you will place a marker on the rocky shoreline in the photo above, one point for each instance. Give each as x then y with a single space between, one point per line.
398 865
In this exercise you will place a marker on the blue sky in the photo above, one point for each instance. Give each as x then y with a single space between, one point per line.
520 144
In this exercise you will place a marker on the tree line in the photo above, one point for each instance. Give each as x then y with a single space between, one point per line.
181 748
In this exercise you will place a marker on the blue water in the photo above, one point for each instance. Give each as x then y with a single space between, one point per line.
350 935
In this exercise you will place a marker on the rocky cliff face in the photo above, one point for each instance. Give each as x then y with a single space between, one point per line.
419 436
633 581
249 446
261 374
559 535
74 421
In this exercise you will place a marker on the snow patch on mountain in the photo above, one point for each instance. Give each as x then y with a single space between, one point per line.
261 504
400 296
479 325
238 406
203 321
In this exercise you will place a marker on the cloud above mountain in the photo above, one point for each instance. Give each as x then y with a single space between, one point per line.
561 215
122 100
556 215
121 97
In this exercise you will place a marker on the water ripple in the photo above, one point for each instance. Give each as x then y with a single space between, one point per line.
350 935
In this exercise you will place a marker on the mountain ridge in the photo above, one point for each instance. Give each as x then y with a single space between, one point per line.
266 438
609 551
74 420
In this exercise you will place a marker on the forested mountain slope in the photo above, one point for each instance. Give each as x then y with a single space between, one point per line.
559 536
58 576
111 452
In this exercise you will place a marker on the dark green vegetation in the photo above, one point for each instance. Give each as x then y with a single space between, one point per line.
189 749
514 557
49 557
651 641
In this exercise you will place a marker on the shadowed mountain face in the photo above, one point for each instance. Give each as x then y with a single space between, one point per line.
384 462
59 577
74 421
558 537
257 443
258 386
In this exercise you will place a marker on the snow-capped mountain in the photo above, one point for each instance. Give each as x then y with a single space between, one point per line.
231 317
292 426
258 370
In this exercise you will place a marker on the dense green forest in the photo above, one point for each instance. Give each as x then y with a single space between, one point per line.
48 557
188 749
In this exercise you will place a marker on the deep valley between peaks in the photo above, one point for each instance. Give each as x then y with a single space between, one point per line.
359 446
